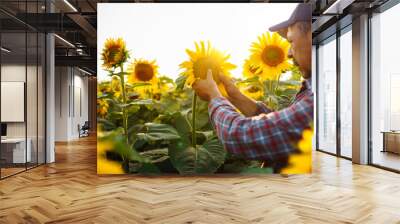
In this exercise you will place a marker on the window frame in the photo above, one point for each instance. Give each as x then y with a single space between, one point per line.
333 37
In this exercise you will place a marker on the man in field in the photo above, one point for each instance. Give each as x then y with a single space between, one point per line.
258 132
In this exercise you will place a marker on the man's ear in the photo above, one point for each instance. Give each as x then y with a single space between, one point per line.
283 32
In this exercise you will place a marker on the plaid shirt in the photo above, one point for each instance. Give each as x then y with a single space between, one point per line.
270 135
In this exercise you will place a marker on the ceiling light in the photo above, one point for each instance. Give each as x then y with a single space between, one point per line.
79 51
64 40
84 71
338 6
70 5
5 50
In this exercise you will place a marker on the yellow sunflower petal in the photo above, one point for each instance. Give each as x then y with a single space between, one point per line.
222 90
203 58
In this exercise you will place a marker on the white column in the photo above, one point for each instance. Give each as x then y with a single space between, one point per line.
50 92
360 90
50 100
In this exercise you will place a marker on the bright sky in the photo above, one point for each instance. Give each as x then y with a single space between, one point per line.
163 31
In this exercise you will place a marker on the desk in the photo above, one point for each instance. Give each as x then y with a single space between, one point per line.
17 150
391 141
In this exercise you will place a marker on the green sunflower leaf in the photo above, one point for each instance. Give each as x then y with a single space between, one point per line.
204 159
180 82
156 132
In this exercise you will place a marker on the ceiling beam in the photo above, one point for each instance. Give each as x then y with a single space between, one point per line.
86 27
78 61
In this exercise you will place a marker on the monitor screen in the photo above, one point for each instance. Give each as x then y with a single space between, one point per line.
3 129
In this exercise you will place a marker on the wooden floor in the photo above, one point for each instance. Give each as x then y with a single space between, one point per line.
10 171
70 191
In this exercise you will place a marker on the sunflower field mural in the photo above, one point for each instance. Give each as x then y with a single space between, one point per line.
151 124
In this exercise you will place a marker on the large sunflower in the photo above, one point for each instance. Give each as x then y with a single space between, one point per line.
250 69
114 53
302 162
201 60
270 53
105 166
143 71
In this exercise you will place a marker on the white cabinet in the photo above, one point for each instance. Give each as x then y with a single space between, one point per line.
19 155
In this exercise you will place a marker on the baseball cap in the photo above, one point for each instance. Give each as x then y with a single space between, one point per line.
302 12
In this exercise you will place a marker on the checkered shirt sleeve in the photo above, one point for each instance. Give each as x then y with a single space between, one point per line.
270 135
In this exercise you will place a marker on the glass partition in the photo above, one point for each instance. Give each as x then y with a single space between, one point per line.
14 151
22 77
327 95
346 93
32 98
41 97
385 89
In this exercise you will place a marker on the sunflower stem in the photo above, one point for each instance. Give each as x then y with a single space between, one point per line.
270 91
124 114
194 102
277 83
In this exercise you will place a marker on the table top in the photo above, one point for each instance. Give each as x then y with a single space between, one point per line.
14 140
391 132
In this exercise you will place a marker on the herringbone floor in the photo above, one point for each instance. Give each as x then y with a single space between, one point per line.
70 191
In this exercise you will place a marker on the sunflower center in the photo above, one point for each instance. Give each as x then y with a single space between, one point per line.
201 66
144 72
113 50
273 55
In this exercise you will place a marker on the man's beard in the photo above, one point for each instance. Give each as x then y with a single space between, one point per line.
304 73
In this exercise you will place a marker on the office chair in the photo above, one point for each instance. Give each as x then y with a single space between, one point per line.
84 130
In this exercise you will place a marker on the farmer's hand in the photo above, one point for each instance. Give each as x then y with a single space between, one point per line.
206 89
245 104
232 91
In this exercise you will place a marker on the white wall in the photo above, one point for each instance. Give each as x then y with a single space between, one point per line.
71 102
61 103
80 104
